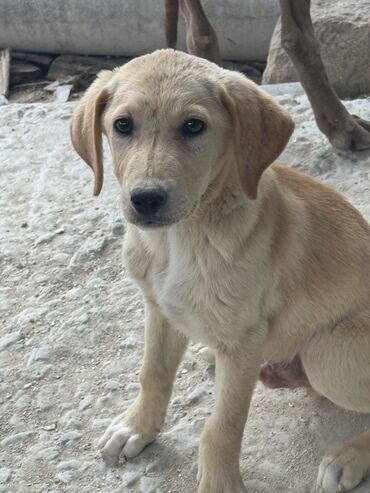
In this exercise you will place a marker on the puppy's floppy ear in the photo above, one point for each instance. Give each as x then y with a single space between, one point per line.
86 128
261 128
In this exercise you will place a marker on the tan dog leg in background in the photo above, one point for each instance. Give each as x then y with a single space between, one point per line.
139 426
236 375
201 39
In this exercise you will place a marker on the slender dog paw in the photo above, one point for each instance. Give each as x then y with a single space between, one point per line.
121 439
342 471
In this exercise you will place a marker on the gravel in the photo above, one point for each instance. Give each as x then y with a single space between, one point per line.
71 337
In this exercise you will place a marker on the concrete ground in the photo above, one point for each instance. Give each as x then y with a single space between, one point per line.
71 335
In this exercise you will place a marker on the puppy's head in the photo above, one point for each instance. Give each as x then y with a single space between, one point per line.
174 124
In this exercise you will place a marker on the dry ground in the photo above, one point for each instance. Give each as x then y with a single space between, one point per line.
71 334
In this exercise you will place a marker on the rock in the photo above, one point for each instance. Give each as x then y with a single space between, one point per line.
16 438
70 436
63 92
80 71
42 61
343 30
5 474
131 341
46 238
40 354
72 419
21 71
61 258
117 227
68 465
9 339
86 402
36 371
66 476
100 424
197 394
47 453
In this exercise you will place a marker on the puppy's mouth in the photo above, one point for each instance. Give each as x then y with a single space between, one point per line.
151 223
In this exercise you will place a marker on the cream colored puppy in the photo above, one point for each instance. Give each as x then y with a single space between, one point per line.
256 262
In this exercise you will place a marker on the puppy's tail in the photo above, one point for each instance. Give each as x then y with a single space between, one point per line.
172 15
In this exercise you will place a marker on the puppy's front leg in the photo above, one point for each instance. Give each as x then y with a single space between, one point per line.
236 375
138 427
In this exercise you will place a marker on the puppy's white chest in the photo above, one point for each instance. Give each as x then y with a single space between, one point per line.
199 293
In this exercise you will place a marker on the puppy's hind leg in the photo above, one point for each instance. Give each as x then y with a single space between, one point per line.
130 433
346 467
337 364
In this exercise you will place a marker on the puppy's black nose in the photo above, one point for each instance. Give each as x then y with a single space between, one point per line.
148 201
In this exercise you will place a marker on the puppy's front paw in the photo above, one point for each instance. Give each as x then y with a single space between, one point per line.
122 438
342 471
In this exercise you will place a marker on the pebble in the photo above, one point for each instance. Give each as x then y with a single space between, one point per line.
131 341
5 474
47 453
62 258
16 438
100 423
36 371
66 476
69 464
133 388
112 385
86 402
9 339
72 419
40 354
23 402
46 238
70 436
117 227
197 394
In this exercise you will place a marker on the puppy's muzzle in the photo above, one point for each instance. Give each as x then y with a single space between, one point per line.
148 201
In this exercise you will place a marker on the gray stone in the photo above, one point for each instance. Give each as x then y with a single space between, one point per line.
66 476
197 394
46 238
70 436
16 438
5 474
343 31
61 258
21 71
9 339
47 453
86 402
131 341
100 424
40 354
36 371
68 465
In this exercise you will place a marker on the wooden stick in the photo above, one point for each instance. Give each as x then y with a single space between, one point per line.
4 71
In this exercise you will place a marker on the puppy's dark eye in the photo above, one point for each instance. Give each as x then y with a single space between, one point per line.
124 126
193 127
